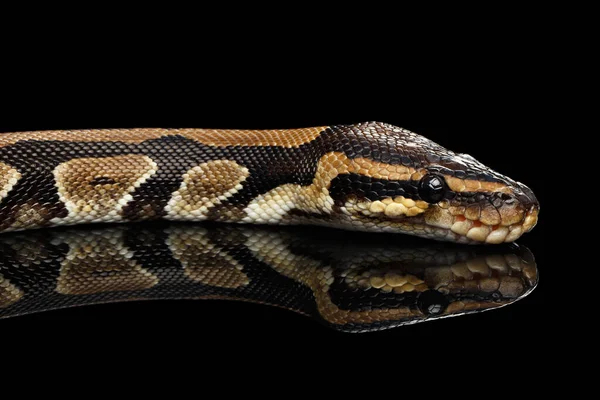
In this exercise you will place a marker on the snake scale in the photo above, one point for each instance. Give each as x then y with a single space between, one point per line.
369 176
350 281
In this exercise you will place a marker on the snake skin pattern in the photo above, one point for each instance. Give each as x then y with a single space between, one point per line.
350 281
369 176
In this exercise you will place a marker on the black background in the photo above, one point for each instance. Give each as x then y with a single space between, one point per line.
483 108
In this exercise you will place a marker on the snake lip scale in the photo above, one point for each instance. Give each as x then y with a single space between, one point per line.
369 176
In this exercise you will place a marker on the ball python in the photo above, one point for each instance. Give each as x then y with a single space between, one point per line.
350 281
369 176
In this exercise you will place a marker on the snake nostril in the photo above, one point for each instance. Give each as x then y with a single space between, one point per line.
503 199
508 199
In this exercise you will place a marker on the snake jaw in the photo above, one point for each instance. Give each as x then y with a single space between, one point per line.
476 227
475 223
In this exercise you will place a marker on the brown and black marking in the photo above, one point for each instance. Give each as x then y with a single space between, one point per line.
272 160
374 285
100 262
204 187
221 269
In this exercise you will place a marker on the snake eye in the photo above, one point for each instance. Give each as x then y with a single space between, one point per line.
432 188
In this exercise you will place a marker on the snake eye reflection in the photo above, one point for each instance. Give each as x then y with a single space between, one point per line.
432 188
432 302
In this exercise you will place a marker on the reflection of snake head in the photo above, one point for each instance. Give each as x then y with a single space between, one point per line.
374 283
351 281
432 287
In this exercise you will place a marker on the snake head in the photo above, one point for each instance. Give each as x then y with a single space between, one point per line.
391 179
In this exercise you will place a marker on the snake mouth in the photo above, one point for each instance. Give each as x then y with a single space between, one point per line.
480 231
443 222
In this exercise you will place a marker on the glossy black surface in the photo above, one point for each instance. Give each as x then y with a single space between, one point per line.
349 281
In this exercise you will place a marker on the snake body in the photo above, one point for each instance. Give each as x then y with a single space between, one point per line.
370 176
350 281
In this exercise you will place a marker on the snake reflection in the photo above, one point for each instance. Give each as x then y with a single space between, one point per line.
350 281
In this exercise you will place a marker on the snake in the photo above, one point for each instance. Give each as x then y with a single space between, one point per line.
348 281
370 177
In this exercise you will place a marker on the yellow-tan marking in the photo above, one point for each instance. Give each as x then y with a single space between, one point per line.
99 262
387 281
8 179
9 293
205 186
96 189
275 137
204 262
210 137
469 185
273 205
